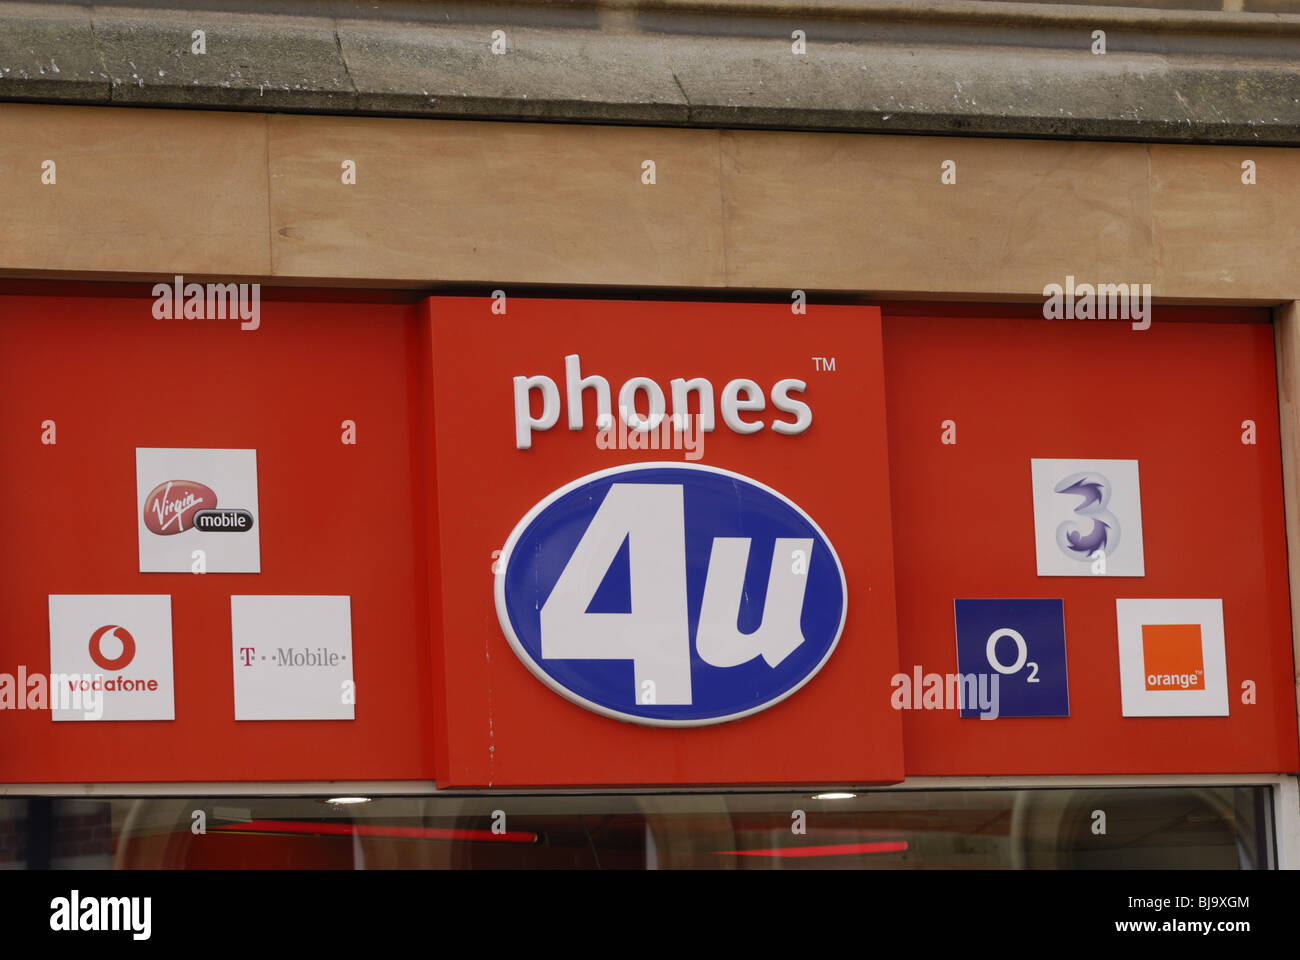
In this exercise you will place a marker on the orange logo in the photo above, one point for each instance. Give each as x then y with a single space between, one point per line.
1171 656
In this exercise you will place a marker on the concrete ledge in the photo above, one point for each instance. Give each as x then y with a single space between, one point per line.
954 67
553 74
50 54
254 62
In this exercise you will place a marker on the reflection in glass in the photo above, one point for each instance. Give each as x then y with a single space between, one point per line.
1224 828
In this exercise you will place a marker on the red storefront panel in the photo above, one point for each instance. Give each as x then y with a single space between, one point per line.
1173 397
335 519
503 726
405 523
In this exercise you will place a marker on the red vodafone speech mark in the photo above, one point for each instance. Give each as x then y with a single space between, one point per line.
128 648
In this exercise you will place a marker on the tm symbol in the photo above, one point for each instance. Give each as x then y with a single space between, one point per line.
826 364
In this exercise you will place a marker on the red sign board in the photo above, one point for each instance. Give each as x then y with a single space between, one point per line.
823 522
1175 398
821 445
335 519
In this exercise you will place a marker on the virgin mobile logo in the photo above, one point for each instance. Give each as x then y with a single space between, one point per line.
169 508
179 505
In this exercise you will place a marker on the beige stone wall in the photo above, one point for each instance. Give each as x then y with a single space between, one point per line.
146 192
1286 328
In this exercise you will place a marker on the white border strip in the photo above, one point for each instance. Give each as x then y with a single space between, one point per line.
1286 820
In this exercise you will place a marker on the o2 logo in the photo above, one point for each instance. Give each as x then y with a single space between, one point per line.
1096 529
670 594
1081 507
1024 642
1021 660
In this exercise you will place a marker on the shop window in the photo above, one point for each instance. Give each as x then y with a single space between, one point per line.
1222 828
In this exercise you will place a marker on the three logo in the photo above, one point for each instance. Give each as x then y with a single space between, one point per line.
1103 535
1087 518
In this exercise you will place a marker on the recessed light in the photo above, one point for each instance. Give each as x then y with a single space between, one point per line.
834 796
343 800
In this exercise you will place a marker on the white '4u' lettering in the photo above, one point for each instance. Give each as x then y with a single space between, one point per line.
654 635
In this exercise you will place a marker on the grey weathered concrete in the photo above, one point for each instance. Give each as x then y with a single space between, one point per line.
48 54
252 61
946 67
451 70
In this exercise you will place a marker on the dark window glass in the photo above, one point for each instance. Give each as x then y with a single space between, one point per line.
1224 828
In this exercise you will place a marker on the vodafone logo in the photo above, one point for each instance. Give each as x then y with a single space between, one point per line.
123 636
102 670
120 662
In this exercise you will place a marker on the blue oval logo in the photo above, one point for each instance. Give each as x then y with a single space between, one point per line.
670 594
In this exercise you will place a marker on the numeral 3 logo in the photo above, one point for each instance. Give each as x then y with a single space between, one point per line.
1096 529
